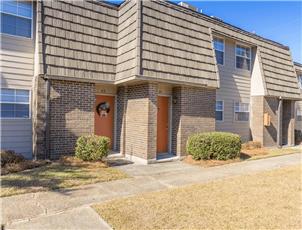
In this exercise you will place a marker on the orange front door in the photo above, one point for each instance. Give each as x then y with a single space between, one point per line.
162 124
104 117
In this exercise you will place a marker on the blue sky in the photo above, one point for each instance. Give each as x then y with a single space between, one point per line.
276 20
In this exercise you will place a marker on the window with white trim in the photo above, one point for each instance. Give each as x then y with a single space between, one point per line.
299 115
219 50
243 57
16 18
219 110
242 111
14 103
300 81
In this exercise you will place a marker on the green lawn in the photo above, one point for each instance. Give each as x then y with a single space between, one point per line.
268 200
59 175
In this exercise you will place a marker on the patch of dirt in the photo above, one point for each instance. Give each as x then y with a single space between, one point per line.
255 152
73 161
208 163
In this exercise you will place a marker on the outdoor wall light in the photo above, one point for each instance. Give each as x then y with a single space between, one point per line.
174 100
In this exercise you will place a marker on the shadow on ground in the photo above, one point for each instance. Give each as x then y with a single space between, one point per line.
118 162
244 156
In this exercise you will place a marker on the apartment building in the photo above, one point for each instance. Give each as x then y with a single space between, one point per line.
298 125
147 74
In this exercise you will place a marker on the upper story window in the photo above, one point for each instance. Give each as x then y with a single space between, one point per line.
14 103
242 112
16 18
219 50
299 115
300 81
219 110
243 57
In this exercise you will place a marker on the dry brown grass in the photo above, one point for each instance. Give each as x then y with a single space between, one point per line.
66 173
268 200
249 152
208 163
21 166
251 145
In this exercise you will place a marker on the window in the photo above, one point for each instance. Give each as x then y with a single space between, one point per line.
219 50
14 103
219 110
241 111
300 81
16 18
299 115
243 57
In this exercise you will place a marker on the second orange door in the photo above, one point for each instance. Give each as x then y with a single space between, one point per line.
104 117
162 124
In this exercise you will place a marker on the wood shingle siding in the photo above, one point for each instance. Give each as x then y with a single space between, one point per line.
80 39
189 57
150 40
127 41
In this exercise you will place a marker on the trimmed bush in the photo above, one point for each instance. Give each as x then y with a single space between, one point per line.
92 148
10 157
214 145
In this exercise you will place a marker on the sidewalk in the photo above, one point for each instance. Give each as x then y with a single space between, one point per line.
70 209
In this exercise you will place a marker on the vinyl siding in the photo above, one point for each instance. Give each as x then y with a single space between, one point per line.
80 40
234 87
17 69
298 124
176 50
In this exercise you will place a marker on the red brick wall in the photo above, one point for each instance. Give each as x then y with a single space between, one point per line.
194 112
71 115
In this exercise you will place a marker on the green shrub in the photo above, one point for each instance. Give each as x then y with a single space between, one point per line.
10 157
92 148
214 145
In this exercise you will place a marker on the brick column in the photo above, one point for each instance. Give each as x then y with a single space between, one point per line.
120 120
39 118
141 121
270 106
257 122
288 123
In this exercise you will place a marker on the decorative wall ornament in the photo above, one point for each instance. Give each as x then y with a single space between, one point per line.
103 109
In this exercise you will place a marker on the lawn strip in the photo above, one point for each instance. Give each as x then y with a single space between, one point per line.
267 200
58 175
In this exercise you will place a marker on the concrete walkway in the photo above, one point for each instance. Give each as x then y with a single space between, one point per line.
70 209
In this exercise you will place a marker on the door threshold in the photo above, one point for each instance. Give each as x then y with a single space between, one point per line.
165 157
